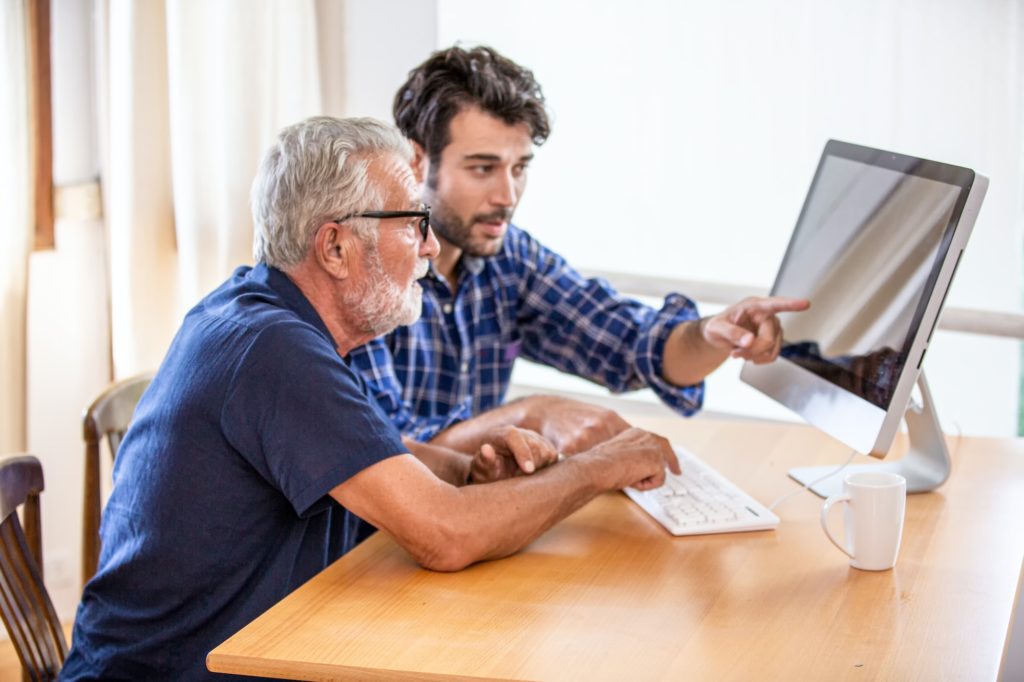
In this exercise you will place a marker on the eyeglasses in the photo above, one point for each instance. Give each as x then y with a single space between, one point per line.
423 215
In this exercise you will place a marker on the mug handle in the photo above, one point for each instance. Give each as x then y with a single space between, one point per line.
835 499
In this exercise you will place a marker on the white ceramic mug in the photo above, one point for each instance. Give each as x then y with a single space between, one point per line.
875 504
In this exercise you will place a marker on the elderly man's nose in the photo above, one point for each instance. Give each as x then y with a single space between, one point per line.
430 247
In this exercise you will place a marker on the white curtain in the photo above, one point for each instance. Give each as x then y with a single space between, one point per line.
193 93
15 223
225 108
135 175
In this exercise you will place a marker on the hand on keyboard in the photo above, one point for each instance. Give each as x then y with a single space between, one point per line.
701 500
636 458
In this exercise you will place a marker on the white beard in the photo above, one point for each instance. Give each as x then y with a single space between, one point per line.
380 305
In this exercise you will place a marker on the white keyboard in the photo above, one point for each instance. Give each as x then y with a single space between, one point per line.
701 500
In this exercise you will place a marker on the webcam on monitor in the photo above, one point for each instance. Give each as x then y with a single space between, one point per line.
875 249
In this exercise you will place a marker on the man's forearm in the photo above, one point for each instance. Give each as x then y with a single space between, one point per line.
688 358
749 330
469 435
479 522
505 516
447 528
495 520
571 426
448 464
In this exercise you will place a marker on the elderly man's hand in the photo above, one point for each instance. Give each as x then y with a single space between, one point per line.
750 329
635 458
511 451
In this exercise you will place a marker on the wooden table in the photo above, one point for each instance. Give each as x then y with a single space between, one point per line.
608 595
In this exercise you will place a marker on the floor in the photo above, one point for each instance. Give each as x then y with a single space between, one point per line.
10 666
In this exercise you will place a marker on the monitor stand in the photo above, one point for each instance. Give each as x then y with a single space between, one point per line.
926 465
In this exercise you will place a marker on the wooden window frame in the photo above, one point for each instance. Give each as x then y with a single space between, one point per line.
41 119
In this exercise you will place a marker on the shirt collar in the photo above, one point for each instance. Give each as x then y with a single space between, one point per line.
474 264
291 295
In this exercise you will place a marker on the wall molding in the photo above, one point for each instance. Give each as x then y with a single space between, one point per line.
967 320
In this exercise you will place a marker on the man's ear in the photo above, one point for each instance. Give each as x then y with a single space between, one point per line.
333 248
420 163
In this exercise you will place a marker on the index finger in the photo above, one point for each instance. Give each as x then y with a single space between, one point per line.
673 462
779 304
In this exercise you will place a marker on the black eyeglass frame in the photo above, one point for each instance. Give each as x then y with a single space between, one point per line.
423 215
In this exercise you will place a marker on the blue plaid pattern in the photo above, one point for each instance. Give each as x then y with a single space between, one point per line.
456 361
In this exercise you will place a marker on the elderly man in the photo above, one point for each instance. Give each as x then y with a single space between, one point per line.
495 293
256 443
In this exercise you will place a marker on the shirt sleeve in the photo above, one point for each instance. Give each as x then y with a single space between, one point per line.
301 417
376 365
585 327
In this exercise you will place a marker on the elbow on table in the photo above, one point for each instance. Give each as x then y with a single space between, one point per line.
444 550
446 562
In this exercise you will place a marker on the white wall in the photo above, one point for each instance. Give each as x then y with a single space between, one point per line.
383 40
685 135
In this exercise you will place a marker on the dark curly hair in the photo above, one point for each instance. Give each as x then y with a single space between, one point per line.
455 78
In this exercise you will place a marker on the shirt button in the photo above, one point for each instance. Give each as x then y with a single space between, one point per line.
447 308
464 368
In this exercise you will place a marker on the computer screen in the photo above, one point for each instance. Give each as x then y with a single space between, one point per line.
875 247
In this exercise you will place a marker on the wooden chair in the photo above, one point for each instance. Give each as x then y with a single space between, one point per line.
25 604
107 417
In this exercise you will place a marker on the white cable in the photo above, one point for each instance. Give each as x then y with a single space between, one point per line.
807 486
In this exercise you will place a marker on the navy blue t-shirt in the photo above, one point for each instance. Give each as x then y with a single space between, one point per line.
221 504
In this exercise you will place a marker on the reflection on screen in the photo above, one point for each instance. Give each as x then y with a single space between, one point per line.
863 306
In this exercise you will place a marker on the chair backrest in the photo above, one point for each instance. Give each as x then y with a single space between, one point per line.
25 605
107 417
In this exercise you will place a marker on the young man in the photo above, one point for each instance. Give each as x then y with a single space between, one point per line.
495 293
256 444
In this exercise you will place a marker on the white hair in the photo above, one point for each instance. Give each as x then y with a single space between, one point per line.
316 171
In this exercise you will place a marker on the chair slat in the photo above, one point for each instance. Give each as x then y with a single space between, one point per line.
107 418
25 605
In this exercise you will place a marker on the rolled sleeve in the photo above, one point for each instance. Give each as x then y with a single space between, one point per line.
587 328
651 351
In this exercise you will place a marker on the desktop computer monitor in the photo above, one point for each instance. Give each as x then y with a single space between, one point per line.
875 248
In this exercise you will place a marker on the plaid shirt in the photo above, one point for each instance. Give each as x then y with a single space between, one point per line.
456 361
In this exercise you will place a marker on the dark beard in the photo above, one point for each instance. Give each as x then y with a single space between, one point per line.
458 233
